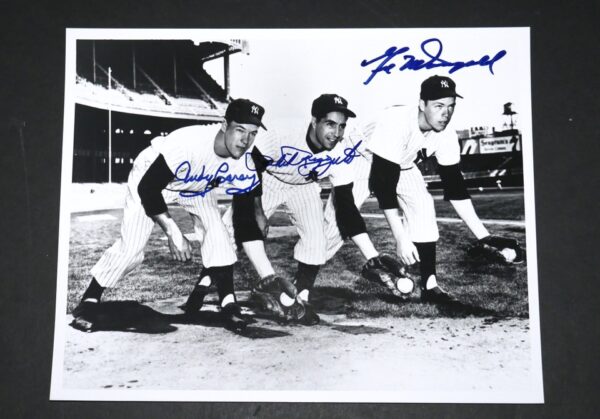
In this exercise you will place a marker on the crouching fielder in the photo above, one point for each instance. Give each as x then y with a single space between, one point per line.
291 164
403 136
184 167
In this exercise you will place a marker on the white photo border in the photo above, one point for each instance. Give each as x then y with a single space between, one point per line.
58 392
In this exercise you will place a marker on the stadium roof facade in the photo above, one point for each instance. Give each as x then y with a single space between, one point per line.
162 78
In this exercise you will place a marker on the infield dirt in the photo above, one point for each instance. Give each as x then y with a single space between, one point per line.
385 353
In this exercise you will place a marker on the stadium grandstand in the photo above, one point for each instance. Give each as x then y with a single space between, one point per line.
128 92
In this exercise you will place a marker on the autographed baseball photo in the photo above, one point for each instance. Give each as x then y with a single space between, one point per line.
298 215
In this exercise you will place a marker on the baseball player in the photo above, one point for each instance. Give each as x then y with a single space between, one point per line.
403 136
184 167
291 165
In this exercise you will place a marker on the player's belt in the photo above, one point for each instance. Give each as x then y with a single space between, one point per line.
406 168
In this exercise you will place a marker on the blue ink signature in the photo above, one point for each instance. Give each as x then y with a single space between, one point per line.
308 164
214 180
412 63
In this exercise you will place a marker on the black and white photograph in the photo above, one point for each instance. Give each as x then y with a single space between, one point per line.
310 215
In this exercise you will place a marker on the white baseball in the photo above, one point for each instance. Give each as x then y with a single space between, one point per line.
285 300
509 254
405 285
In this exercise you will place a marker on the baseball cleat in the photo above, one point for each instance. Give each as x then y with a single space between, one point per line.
84 316
195 300
437 295
233 318
295 312
310 317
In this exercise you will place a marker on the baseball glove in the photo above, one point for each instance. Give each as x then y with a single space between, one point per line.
268 293
387 271
497 249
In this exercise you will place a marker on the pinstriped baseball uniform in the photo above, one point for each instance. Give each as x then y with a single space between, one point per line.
189 154
397 138
288 180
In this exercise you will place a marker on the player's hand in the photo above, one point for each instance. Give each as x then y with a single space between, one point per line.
407 252
180 247
263 223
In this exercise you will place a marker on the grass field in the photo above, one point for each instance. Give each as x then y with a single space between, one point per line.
490 205
495 290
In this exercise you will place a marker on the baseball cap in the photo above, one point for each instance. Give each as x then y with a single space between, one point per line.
436 87
330 103
244 111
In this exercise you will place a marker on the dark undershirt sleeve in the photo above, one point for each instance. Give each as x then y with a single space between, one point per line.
347 215
453 183
156 178
245 227
383 181
260 163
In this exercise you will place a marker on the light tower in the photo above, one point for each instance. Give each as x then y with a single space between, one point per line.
509 112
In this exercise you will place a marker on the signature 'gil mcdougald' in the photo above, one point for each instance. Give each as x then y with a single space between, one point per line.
433 60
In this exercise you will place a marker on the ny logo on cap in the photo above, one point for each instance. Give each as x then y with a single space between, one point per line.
254 109
444 83
338 100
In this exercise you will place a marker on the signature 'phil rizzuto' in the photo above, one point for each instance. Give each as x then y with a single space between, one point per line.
432 48
239 183
306 162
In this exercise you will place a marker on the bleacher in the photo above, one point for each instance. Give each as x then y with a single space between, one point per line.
125 100
154 88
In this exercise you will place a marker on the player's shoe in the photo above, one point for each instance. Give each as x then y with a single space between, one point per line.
310 316
195 300
437 295
84 316
233 318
